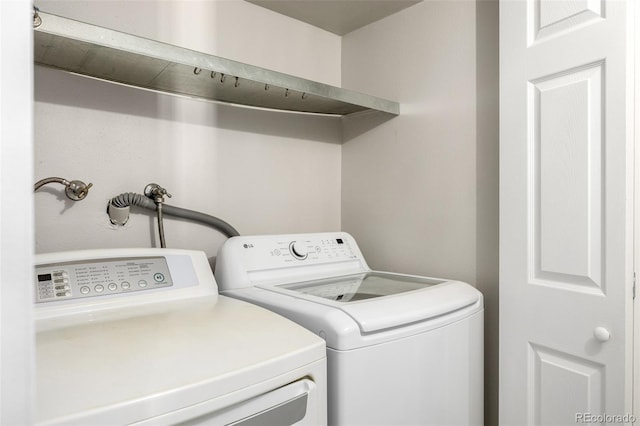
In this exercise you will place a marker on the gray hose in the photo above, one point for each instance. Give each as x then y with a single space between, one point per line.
203 218
132 199
159 210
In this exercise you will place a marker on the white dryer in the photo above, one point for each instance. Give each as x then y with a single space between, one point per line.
141 336
401 349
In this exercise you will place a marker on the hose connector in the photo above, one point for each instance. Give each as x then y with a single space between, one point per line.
75 190
156 192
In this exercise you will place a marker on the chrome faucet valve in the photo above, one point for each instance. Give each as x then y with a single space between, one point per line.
156 192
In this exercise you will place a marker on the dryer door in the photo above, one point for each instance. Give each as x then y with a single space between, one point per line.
283 406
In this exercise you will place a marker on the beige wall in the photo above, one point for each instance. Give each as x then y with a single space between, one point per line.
264 172
419 192
408 191
487 193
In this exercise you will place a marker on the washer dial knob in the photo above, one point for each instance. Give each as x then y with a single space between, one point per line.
298 250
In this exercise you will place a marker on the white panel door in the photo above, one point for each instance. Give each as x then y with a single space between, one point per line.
566 192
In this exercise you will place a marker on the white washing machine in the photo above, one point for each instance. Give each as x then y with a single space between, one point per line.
141 336
401 349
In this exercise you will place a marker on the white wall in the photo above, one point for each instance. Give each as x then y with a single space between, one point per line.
419 192
16 209
264 172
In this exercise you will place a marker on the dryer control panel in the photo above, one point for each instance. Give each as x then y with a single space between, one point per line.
73 280
95 279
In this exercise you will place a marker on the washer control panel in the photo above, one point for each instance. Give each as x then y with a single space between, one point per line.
246 261
74 280
324 248
267 253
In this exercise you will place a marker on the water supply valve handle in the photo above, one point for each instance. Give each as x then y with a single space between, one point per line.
77 190
156 192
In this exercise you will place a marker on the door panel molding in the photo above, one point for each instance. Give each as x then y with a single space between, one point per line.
549 18
566 179
562 386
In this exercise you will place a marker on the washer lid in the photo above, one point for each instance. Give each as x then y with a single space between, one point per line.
378 300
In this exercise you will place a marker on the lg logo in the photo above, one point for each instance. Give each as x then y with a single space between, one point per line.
247 246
